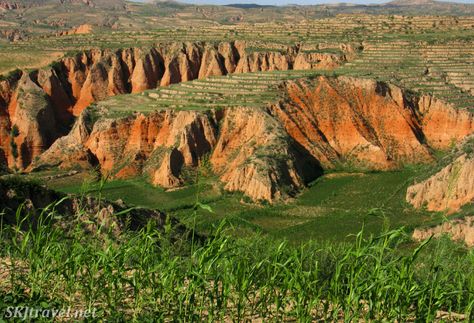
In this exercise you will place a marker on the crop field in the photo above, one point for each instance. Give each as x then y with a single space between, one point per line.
444 70
238 90
429 54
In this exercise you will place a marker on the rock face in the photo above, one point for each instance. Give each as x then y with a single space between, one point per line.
79 30
442 124
447 190
69 151
6 5
256 156
73 83
247 148
458 229
268 153
365 123
159 144
32 123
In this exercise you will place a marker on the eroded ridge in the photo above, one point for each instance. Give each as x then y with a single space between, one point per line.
38 107
268 152
450 188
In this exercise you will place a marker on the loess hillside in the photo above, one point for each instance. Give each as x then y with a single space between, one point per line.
163 161
268 99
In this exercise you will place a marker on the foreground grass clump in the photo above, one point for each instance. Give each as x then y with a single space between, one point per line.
149 275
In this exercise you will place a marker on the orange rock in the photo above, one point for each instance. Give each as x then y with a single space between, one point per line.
78 81
129 146
262 61
69 151
443 124
268 153
306 61
79 30
254 155
95 88
167 175
346 120
172 72
33 117
458 229
56 91
448 190
211 64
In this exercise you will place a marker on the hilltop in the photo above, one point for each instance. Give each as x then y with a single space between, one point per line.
413 2
19 4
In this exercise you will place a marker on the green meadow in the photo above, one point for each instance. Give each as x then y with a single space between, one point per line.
334 207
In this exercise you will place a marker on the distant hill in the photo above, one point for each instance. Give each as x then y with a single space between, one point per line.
90 3
406 7
411 2
248 6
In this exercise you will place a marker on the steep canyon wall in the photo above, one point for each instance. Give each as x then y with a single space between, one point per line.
37 107
271 152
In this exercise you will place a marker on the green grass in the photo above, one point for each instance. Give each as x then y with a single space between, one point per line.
139 192
143 276
256 89
333 208
344 204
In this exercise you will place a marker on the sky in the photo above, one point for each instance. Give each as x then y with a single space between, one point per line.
302 2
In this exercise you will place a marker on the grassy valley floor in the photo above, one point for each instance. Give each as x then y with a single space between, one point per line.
335 207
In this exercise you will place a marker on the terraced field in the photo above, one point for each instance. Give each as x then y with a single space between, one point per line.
429 54
444 70
341 28
258 89
242 90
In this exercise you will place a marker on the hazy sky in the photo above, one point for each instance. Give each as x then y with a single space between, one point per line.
277 2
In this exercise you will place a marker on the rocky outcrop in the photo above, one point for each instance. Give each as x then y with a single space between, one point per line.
79 30
73 83
443 124
7 5
447 190
167 175
312 60
247 148
13 35
255 155
365 123
27 200
69 151
458 229
268 153
32 122
158 144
